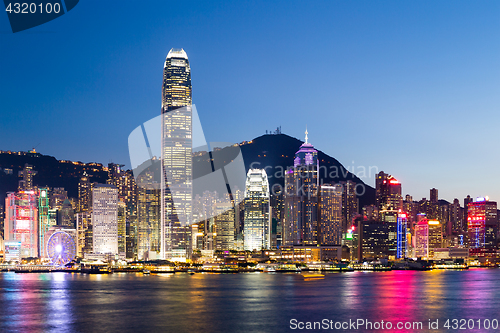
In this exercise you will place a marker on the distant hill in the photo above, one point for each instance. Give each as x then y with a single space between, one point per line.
50 172
276 152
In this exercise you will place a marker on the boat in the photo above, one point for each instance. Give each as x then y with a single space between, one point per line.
313 276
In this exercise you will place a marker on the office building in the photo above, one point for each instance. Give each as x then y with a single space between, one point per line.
428 236
330 214
257 229
21 222
176 186
301 198
224 226
148 216
105 219
482 223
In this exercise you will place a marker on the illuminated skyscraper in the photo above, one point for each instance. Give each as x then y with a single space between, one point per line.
330 215
257 230
466 213
224 226
84 190
21 222
105 219
456 216
428 236
482 223
349 203
122 236
401 236
43 219
27 182
301 198
176 186
388 193
148 216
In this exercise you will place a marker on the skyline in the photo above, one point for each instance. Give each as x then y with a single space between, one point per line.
419 60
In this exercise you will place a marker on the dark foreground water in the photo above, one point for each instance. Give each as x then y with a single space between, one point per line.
256 302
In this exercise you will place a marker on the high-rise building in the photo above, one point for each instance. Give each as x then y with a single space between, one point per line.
482 223
428 237
277 207
148 216
105 219
130 195
388 193
301 198
401 236
66 215
84 233
390 203
43 220
434 195
456 217
84 194
57 197
433 211
21 222
465 211
27 173
349 204
224 226
121 226
177 174
330 215
257 229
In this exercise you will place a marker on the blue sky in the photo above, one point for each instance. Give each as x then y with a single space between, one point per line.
410 87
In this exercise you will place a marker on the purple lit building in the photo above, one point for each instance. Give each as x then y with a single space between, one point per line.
301 198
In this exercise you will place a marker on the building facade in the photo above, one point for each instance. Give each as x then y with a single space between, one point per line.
257 229
300 225
105 219
176 186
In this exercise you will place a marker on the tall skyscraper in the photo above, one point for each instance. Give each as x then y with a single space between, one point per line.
105 219
121 226
330 215
224 226
482 223
456 216
466 211
43 220
27 182
301 198
176 186
349 204
148 216
388 192
84 190
257 230
401 236
21 222
428 236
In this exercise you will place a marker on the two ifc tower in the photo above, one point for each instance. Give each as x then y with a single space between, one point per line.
177 169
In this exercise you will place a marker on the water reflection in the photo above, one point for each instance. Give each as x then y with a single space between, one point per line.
239 302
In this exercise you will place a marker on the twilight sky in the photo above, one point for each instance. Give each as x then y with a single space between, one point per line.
411 87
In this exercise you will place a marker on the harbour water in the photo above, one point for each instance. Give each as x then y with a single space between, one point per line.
245 302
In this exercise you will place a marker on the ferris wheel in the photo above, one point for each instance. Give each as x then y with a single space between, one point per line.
61 248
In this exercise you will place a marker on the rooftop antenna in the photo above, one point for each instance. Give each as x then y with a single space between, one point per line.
306 135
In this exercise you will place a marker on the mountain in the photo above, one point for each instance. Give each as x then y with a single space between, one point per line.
274 152
277 151
49 172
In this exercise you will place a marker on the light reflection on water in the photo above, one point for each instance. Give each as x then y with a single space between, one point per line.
254 302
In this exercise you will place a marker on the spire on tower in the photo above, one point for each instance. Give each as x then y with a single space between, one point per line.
306 135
